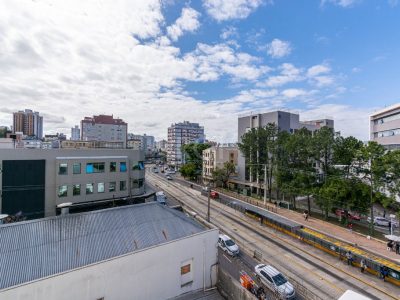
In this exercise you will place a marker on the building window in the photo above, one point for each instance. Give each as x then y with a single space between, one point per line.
113 166
186 272
89 188
76 189
111 187
137 183
100 187
138 166
185 269
122 185
122 166
76 168
63 191
89 168
63 169
95 167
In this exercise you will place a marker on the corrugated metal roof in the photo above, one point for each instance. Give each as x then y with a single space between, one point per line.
34 249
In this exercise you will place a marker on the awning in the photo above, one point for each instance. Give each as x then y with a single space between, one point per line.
392 237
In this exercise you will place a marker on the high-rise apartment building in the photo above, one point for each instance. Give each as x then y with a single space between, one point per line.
180 134
385 127
104 128
28 122
75 133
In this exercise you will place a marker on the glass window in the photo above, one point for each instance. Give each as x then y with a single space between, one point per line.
111 187
63 169
113 166
137 183
89 168
89 188
76 189
100 187
122 166
122 185
138 166
76 168
98 167
63 191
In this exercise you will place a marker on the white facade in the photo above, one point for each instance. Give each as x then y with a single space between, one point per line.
152 274
215 157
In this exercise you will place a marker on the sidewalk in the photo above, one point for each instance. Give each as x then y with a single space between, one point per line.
372 245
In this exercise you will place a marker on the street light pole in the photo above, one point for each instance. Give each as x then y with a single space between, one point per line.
265 184
208 204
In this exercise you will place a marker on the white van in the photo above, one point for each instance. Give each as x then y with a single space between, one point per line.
226 244
161 198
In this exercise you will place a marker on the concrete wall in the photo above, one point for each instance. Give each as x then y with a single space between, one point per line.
53 180
150 274
231 289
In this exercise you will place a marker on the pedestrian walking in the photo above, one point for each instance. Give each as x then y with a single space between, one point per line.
305 215
390 246
350 226
349 257
363 265
397 248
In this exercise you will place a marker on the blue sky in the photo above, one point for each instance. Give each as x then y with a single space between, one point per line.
155 63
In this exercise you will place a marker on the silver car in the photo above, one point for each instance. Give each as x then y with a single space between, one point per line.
274 280
380 221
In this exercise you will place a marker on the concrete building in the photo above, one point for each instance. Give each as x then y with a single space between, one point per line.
180 134
162 145
104 128
51 177
28 122
92 144
146 251
286 121
385 127
150 142
215 157
75 133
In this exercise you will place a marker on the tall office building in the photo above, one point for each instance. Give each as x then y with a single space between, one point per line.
180 134
104 128
75 133
28 122
385 127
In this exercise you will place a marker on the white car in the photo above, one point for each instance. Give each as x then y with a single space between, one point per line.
380 221
226 244
275 281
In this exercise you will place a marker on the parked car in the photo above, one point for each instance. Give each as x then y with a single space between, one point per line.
341 212
161 198
169 177
214 195
275 281
227 245
380 221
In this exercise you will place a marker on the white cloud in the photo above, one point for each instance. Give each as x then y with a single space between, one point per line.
278 48
317 70
293 93
222 10
288 73
187 22
229 32
342 3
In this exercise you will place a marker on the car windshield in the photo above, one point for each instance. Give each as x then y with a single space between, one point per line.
279 279
229 243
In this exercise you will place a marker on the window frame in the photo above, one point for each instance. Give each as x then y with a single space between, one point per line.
59 169
74 188
65 193
88 186
73 168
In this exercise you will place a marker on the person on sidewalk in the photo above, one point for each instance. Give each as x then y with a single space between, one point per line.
350 226
363 265
390 245
397 248
349 257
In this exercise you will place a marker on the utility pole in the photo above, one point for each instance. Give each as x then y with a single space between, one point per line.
265 184
208 204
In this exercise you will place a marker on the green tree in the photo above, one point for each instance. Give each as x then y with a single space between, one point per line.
188 170
222 176
372 169
345 153
193 153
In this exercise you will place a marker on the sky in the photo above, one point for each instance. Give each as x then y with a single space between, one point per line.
154 63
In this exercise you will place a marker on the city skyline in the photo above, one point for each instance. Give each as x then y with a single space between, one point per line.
205 62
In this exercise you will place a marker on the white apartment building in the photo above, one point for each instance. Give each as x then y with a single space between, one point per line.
104 128
180 134
385 127
215 157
